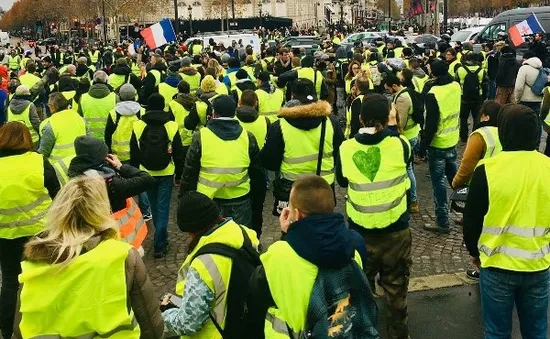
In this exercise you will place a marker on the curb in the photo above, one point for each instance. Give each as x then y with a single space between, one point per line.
434 282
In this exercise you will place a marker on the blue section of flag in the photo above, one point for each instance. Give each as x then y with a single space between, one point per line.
168 30
534 24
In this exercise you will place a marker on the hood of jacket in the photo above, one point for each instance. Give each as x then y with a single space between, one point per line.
99 91
376 138
533 62
268 87
19 103
159 67
127 108
188 70
323 240
207 95
443 80
419 72
306 117
122 70
247 114
244 84
156 117
186 100
172 81
81 69
225 128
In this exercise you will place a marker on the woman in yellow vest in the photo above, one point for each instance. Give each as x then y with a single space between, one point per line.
71 260
27 186
354 69
21 109
220 71
190 74
204 279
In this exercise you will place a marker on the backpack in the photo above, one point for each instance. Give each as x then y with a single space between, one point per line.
155 149
341 69
540 83
418 107
341 305
376 76
471 87
244 262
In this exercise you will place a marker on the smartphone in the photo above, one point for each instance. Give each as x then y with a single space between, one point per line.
174 299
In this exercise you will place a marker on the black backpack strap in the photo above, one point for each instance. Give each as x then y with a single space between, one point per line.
321 147
126 78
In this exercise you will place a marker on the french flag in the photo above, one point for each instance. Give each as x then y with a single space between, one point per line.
159 34
529 26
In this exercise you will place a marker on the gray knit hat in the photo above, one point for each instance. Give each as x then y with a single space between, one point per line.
127 92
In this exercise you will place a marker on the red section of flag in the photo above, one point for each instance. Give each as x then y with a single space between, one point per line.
416 8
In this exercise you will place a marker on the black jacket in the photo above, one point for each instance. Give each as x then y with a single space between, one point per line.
226 130
492 65
541 51
432 112
125 70
50 178
355 108
149 83
507 70
304 117
323 240
83 70
374 139
243 85
279 68
156 118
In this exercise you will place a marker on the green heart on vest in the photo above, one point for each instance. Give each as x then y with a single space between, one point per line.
368 162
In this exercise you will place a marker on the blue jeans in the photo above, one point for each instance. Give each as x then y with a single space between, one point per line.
410 173
144 204
500 290
492 90
240 211
442 163
160 197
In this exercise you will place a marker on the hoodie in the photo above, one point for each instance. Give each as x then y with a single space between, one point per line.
122 108
527 75
82 69
159 118
19 103
507 70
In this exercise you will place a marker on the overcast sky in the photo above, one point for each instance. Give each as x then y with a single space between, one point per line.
6 4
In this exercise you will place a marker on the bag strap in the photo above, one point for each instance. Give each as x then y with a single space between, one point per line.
321 147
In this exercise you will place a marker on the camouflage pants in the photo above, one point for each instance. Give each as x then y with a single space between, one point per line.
390 255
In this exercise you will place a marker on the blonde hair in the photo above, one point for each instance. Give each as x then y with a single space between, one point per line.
214 63
80 211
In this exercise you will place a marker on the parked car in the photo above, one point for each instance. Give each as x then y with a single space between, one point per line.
468 34
309 43
366 38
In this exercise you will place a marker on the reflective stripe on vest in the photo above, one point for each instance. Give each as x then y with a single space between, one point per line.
25 200
224 166
25 119
96 111
378 181
110 317
302 151
94 57
516 227
269 104
132 227
171 130
448 100
419 83
61 168
120 141
492 141
66 125
314 75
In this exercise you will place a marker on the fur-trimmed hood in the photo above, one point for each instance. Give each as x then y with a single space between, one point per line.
308 116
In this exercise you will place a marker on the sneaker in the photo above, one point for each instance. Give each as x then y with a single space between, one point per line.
414 208
472 273
437 229
159 254
147 217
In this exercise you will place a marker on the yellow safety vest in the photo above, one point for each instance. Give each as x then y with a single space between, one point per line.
232 78
123 133
167 93
250 71
269 104
238 91
314 75
224 166
411 129
25 200
461 75
94 57
302 151
398 52
547 119
378 181
452 67
419 83
25 119
347 87
158 76
258 128
96 111
47 314
515 233
283 265
194 81
61 168
347 131
492 142
24 62
197 49
448 100
117 80
215 271
66 125
180 113
29 79
136 69
222 89
69 95
13 62
171 129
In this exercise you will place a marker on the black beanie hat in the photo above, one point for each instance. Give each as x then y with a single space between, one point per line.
196 212
90 153
241 74
375 107
517 128
156 102
439 68
224 106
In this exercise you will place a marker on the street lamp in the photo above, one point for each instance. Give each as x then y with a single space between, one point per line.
176 17
260 8
190 9
342 12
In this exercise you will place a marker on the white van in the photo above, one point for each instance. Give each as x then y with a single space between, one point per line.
227 40
4 39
